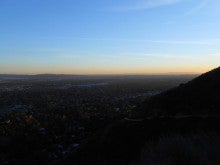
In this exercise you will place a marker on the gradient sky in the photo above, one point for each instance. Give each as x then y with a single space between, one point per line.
109 36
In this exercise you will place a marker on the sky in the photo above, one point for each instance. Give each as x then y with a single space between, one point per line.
109 36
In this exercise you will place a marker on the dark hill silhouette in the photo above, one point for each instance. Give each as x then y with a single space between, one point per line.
201 96
188 110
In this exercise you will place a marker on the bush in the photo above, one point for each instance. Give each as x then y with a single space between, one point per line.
197 149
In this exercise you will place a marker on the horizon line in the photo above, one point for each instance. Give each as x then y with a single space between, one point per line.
106 74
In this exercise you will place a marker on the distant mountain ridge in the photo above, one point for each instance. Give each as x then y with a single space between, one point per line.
71 76
199 96
38 76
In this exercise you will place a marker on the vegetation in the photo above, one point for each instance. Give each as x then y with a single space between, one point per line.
200 148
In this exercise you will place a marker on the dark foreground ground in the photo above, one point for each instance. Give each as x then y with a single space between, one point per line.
168 140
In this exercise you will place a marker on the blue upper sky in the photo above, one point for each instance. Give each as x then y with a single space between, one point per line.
109 36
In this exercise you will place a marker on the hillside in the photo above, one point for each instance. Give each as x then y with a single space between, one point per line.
197 97
159 139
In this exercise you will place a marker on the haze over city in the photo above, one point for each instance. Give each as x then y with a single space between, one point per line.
109 37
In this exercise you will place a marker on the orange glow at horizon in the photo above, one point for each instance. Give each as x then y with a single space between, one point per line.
91 71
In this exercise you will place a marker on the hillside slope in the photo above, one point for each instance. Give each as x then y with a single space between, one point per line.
178 124
201 96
